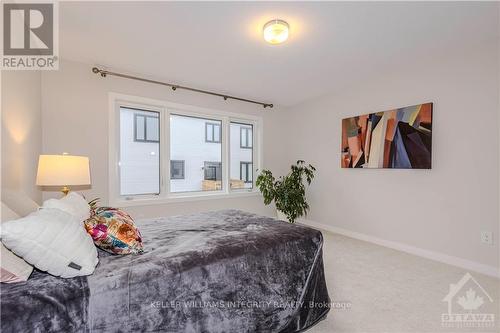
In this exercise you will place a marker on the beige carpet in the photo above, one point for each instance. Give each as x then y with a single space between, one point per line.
391 291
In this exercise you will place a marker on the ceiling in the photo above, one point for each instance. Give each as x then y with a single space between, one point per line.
219 46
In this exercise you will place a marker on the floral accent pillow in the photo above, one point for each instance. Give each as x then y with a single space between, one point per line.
114 231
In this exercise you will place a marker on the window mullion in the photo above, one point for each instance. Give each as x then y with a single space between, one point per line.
256 150
224 135
165 152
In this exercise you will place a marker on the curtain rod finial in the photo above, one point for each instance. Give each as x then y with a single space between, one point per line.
96 70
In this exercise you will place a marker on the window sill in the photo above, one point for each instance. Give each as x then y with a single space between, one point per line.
120 202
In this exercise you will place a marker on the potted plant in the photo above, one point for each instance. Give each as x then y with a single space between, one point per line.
288 192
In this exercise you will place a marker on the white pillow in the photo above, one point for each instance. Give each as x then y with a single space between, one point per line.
53 241
73 203
12 268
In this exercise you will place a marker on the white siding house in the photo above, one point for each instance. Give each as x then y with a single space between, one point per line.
139 160
195 150
241 153
188 144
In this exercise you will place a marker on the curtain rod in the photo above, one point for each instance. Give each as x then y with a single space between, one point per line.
174 87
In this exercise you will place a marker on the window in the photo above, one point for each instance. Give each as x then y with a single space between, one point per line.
241 155
246 171
213 171
163 152
212 132
139 159
187 143
176 169
146 127
246 137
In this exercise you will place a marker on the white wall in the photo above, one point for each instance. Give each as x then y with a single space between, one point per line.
497 238
21 132
75 120
443 209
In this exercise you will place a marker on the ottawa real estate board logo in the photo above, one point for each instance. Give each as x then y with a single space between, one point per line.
30 36
469 305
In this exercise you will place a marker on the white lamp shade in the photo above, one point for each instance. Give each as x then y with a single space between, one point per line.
63 170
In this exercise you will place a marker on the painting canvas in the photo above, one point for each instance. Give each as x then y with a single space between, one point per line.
395 139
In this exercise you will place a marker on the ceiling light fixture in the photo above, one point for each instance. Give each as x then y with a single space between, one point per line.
276 31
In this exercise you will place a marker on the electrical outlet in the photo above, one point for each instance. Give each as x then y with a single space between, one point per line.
487 237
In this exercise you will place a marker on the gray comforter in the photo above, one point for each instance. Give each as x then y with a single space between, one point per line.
225 271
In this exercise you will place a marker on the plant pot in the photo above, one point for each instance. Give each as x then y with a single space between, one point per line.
281 216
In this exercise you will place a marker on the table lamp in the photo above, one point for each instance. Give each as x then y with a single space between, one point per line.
63 170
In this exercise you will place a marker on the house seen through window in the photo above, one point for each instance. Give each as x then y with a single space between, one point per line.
195 153
139 152
197 142
146 127
246 137
246 172
241 155
176 169
213 132
213 171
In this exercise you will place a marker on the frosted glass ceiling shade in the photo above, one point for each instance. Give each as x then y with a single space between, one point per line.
63 170
276 31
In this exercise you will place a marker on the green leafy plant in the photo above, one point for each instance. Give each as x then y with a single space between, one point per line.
288 192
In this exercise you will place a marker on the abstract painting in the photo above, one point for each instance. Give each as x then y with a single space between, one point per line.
395 139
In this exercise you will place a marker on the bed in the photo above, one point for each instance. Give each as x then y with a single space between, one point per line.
223 271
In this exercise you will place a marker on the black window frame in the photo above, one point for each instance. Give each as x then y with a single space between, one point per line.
212 125
212 165
183 163
249 142
248 172
145 116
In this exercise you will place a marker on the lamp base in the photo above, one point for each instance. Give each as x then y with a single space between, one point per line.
65 190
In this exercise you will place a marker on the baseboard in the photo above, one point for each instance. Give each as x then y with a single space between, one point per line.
432 255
